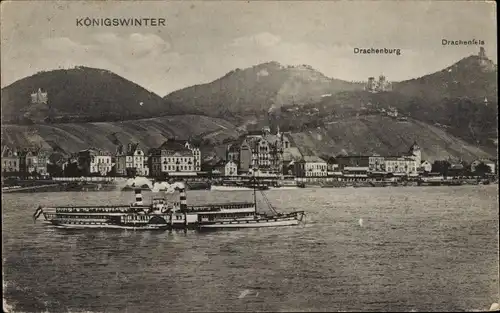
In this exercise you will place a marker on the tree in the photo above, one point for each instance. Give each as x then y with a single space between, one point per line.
54 170
72 170
331 160
112 172
131 172
482 169
441 166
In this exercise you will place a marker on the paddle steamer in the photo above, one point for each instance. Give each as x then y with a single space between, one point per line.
162 215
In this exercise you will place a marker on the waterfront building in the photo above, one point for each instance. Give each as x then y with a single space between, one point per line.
374 163
33 160
95 162
132 160
400 165
406 163
261 150
196 155
425 166
403 164
10 160
225 168
332 168
311 166
174 157
355 172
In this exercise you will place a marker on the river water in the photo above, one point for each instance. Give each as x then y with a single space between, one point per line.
362 249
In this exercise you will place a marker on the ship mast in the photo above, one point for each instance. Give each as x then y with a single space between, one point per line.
254 191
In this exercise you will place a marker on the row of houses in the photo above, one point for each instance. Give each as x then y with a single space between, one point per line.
278 154
258 153
173 156
27 160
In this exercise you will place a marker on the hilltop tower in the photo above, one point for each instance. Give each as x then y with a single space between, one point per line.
370 85
482 53
416 152
486 64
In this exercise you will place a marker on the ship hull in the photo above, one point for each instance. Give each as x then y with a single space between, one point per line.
109 226
250 224
261 222
237 188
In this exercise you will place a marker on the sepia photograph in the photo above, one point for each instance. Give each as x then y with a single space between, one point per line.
249 156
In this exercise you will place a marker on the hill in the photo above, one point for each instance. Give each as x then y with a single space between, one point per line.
258 89
72 137
81 94
361 135
385 136
474 77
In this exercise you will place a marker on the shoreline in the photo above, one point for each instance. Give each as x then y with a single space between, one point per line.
111 187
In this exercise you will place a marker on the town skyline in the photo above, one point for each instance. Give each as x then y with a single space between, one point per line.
182 54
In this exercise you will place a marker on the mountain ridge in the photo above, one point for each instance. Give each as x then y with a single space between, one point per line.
270 85
79 94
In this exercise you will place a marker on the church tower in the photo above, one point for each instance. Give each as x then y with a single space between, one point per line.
416 152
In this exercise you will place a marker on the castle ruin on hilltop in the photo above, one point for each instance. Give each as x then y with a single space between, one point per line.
378 86
39 97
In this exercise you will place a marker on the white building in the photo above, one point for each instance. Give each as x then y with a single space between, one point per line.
174 158
311 166
226 168
425 166
196 155
400 165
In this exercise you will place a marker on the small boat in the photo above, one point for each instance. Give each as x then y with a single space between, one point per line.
198 186
143 187
334 184
232 186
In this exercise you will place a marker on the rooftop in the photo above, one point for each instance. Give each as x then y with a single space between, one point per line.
313 159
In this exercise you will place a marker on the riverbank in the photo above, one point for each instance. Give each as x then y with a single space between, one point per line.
10 186
393 183
26 186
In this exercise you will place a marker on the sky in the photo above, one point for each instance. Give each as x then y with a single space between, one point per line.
203 40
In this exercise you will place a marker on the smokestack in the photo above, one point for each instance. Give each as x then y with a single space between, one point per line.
182 198
138 197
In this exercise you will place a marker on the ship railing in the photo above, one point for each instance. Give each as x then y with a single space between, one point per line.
86 220
100 209
217 207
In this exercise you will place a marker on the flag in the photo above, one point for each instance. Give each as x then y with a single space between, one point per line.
37 213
